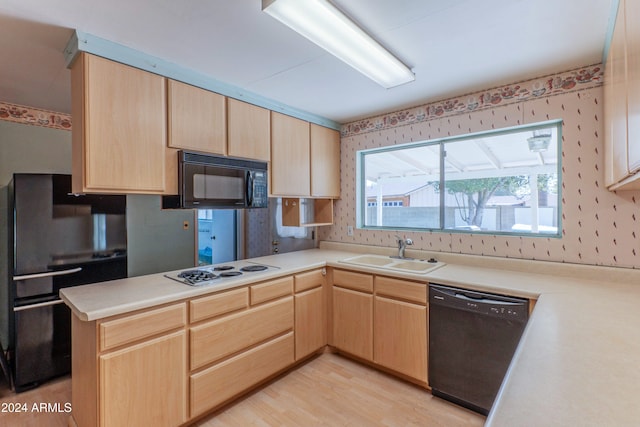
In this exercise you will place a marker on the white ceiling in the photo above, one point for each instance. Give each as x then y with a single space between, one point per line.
453 47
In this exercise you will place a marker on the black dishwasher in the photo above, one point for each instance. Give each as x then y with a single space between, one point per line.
472 338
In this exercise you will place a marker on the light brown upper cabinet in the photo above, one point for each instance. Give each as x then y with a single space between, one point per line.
197 118
249 130
119 132
290 156
622 101
305 159
325 162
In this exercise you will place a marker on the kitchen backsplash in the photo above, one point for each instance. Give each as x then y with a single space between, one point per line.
599 227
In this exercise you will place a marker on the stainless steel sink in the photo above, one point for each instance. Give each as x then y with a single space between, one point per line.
398 264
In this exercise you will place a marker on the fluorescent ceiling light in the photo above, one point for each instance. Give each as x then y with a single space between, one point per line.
323 24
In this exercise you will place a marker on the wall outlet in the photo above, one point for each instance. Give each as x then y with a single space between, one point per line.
185 225
349 230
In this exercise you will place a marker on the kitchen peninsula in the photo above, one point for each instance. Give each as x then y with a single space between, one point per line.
581 345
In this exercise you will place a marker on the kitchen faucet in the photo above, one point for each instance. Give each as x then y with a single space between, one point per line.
402 245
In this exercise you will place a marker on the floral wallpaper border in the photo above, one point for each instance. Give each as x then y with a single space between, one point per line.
553 84
34 116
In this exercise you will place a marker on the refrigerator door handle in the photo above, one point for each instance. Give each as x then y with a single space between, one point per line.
47 274
38 305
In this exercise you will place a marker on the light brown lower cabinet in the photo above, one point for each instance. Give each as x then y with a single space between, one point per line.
144 385
223 381
234 352
353 322
230 334
166 365
130 370
400 337
310 325
310 312
383 320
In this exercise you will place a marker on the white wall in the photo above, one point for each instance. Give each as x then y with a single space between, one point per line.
156 240
25 149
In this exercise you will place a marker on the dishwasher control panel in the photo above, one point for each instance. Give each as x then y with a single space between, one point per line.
480 302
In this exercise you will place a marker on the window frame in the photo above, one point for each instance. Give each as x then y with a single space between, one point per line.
361 199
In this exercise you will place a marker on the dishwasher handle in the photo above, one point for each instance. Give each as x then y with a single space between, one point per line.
484 299
482 303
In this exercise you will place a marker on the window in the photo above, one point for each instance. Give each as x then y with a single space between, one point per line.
498 182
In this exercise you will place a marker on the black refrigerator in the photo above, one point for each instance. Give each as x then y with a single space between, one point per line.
56 239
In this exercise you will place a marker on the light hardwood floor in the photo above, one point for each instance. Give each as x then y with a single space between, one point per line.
54 395
329 390
332 390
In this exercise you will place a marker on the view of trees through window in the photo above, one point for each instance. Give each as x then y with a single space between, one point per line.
503 181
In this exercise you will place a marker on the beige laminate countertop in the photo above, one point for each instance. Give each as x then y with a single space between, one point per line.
576 364
100 300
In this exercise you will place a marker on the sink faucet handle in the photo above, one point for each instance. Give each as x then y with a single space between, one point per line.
404 240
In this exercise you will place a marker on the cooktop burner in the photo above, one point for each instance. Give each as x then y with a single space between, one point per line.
206 275
230 273
197 276
256 267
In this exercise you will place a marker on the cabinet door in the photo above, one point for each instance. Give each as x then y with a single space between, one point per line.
632 15
249 130
400 337
145 384
119 134
290 156
353 322
310 326
325 162
197 119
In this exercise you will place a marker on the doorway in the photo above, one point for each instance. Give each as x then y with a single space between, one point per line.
217 236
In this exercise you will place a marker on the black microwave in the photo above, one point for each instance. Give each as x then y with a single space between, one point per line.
207 181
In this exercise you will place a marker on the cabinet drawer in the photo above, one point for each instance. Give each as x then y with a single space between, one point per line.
230 334
138 326
308 280
401 289
223 381
271 290
351 280
215 305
